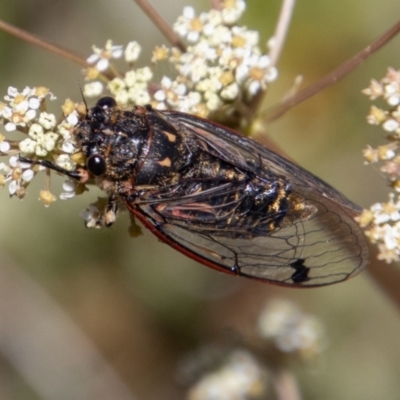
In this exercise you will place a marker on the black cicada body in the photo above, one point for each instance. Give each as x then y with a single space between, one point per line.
220 198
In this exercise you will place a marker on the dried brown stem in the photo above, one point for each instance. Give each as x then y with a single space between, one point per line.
285 385
337 74
161 24
216 4
281 30
37 41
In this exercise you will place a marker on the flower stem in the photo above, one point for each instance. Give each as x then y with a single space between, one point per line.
331 78
161 24
37 41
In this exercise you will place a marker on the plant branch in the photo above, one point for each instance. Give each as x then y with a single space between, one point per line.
279 37
285 385
281 30
37 41
334 76
161 24
216 4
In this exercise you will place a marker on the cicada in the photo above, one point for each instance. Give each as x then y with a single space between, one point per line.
220 198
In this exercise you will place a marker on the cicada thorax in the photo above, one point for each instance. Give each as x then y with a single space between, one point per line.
137 146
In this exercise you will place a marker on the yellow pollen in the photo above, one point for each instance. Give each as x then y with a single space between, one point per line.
196 24
257 73
226 78
19 98
238 41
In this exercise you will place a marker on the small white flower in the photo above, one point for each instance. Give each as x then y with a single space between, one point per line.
69 190
393 100
13 187
221 36
68 147
144 74
140 97
213 101
101 57
48 121
188 12
64 161
34 103
271 74
390 125
132 52
230 92
11 93
17 174
166 82
4 146
6 113
27 146
122 97
72 119
36 131
10 127
64 129
116 85
160 95
188 26
14 163
27 175
93 89
91 216
233 12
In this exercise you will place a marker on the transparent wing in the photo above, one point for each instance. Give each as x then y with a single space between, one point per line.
325 248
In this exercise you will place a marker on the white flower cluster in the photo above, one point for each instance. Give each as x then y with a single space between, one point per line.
290 329
46 138
381 221
240 377
222 64
101 57
132 88
222 67
388 88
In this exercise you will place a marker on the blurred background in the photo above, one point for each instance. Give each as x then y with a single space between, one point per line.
82 307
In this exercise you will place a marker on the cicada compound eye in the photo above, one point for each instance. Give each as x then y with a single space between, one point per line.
96 165
106 102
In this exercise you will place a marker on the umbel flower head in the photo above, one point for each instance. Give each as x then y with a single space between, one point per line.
221 69
46 137
381 222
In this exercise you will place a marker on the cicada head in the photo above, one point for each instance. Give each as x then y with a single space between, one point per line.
112 140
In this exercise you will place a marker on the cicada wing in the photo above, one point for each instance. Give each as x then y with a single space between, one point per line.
321 250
